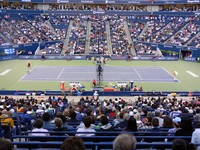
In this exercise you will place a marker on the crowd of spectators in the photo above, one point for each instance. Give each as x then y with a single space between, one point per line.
24 29
178 116
17 6
119 38
60 24
98 37
46 33
142 48
55 48
195 42
135 27
9 31
128 7
153 26
169 30
180 8
77 39
185 34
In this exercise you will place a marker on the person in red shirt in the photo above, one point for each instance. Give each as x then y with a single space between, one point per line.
74 88
94 82
135 88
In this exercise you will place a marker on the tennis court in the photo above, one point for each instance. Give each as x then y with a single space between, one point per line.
110 73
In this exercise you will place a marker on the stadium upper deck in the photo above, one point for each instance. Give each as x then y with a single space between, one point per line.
143 28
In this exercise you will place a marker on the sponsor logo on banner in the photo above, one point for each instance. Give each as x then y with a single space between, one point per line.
98 12
87 1
133 2
193 1
77 57
62 1
28 44
168 46
110 2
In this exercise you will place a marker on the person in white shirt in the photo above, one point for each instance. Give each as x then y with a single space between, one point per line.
86 130
196 133
38 130
158 116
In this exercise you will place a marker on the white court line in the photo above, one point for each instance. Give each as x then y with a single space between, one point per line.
5 72
26 74
169 73
60 73
137 74
157 79
192 74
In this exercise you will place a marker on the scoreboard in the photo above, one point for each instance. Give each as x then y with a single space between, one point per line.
9 51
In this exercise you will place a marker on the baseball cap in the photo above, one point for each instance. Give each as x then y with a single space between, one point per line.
130 113
177 120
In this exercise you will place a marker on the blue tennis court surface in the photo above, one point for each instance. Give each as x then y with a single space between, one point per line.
88 73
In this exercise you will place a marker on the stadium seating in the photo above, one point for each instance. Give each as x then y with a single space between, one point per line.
79 34
169 30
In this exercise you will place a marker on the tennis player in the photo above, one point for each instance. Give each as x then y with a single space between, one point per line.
175 73
29 66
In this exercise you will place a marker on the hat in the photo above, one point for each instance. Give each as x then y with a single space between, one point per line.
135 111
177 120
130 113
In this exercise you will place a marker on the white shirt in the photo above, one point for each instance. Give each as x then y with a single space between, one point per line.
196 137
85 130
45 132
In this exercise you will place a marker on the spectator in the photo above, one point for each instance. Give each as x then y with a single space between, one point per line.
140 89
73 143
147 121
105 125
180 144
5 144
37 128
94 82
73 117
155 128
79 117
176 124
96 95
167 123
6 119
46 121
124 142
101 113
123 123
59 127
158 116
136 115
186 128
196 133
131 125
26 118
155 124
87 128
135 88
